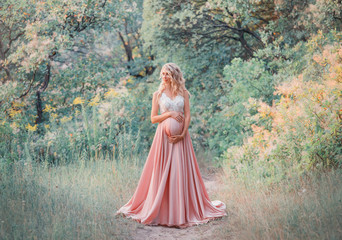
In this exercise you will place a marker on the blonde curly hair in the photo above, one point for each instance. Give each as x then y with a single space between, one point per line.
177 80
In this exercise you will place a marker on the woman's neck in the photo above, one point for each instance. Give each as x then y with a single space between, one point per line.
168 88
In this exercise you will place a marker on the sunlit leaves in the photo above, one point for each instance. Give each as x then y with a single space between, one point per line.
306 122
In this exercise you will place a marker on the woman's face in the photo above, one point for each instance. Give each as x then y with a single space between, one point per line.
166 77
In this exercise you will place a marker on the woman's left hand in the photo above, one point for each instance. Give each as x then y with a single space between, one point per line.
175 138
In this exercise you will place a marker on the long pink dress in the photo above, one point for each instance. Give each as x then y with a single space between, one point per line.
171 191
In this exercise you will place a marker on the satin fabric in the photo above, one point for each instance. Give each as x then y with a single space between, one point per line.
171 191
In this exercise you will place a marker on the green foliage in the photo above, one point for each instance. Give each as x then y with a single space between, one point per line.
95 128
200 25
59 49
243 80
305 130
203 37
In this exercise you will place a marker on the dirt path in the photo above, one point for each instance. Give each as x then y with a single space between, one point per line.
203 231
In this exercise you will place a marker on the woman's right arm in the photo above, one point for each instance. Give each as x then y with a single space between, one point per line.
155 118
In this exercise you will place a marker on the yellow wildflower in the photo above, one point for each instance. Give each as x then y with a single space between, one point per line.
48 108
142 73
31 128
66 119
78 100
3 122
95 100
54 115
47 126
111 93
16 104
13 112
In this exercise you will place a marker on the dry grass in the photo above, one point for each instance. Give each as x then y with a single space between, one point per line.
79 201
302 208
67 202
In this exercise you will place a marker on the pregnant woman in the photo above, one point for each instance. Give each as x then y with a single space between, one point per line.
171 191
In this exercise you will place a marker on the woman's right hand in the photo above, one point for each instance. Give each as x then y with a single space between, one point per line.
177 115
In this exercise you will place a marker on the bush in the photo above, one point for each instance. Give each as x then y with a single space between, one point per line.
305 129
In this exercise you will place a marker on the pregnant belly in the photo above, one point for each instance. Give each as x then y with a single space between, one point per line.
173 127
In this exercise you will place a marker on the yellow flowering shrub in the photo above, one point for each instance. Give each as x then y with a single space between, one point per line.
306 124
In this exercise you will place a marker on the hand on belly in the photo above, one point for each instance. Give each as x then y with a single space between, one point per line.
173 127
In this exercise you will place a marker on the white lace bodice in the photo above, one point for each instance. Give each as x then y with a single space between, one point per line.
167 104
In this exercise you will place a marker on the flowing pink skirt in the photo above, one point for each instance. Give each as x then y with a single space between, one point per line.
171 191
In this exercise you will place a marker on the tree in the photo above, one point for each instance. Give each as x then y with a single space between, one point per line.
203 23
129 33
34 33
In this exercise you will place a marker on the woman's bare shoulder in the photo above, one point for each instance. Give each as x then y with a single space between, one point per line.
155 95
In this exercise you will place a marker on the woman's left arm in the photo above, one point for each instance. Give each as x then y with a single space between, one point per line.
186 114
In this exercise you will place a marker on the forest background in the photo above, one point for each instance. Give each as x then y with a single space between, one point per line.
77 79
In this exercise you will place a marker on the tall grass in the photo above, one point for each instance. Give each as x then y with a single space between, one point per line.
78 195
308 207
79 200
74 201
94 131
